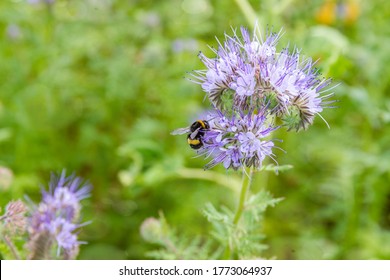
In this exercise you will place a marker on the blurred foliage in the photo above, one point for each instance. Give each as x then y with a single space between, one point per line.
95 86
174 246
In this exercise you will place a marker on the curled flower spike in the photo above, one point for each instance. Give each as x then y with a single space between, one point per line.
237 141
295 85
55 219
15 217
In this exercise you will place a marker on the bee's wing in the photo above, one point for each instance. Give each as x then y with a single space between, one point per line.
193 134
181 131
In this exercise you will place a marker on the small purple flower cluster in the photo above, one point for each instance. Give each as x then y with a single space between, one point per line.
250 85
56 217
237 140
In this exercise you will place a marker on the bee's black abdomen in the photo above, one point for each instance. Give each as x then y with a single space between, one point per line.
196 147
195 143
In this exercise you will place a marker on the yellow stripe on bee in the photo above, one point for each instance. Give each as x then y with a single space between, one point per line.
193 141
202 123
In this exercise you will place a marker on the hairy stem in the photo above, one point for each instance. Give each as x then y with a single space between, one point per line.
246 183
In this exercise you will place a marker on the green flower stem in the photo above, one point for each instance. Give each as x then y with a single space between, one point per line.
246 183
248 12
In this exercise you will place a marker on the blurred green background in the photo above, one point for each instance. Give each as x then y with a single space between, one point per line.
96 86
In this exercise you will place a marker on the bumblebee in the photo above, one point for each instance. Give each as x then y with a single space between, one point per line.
196 133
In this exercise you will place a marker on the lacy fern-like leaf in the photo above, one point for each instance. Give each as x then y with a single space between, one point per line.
245 236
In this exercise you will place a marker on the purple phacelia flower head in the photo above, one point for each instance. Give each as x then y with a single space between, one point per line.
248 70
251 86
238 141
65 194
56 217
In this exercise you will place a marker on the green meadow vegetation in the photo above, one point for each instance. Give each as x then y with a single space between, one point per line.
96 86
